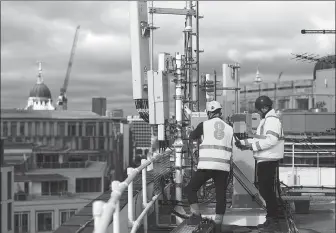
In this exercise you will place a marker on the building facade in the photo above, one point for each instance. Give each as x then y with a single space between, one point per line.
62 160
6 193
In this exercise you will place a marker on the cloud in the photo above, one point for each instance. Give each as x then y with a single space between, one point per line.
251 33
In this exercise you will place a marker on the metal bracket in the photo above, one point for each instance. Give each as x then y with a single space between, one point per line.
145 29
171 11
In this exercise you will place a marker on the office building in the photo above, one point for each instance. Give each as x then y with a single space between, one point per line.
99 105
6 194
61 160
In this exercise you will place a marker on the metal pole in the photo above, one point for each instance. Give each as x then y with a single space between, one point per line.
318 169
197 55
293 163
151 64
178 144
144 194
215 85
189 58
130 202
237 91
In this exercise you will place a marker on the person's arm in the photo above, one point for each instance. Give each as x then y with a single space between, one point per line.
197 133
273 132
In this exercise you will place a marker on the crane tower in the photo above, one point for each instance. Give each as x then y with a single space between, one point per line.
62 102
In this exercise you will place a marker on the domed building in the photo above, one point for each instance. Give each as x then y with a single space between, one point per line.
40 95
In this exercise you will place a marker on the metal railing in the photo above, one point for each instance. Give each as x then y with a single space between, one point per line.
316 149
103 212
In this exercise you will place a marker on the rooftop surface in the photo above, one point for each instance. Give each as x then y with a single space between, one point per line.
320 219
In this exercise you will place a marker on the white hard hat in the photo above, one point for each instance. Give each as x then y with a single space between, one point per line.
213 106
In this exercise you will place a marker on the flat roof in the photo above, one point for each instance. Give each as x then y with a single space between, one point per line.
52 114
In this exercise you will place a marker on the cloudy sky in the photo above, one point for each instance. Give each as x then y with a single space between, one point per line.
251 33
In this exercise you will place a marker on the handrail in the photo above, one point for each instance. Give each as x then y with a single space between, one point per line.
293 144
311 143
102 212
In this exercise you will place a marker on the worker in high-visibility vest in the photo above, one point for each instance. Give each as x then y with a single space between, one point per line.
268 148
215 154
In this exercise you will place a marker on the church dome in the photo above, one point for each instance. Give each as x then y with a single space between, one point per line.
327 62
40 90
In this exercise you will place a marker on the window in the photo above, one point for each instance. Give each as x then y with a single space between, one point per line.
30 129
85 144
61 129
9 216
9 186
302 104
51 129
90 129
80 127
65 215
37 128
21 222
71 129
101 129
50 188
5 128
13 129
101 143
88 185
44 221
22 129
44 128
283 104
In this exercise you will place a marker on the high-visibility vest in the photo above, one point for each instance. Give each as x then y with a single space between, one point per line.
276 152
216 149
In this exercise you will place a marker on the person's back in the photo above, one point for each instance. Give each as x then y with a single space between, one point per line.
216 148
215 154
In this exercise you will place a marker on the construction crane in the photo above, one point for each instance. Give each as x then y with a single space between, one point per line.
304 31
62 102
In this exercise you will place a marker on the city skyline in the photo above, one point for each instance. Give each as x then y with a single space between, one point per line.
261 34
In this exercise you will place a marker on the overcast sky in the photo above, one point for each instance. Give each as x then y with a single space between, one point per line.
250 33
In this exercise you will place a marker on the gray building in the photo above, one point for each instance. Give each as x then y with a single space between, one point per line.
6 194
317 91
99 105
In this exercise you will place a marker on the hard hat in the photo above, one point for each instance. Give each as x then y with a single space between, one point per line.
263 101
213 106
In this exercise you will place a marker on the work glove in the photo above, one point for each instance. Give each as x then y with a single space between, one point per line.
240 146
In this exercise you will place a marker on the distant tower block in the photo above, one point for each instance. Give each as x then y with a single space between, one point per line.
99 105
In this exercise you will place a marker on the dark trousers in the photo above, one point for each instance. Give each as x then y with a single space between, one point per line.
266 175
200 177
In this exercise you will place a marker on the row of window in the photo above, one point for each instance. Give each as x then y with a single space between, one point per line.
56 188
47 128
75 143
44 220
83 185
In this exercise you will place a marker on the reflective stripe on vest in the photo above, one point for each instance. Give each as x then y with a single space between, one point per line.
215 147
270 131
217 160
